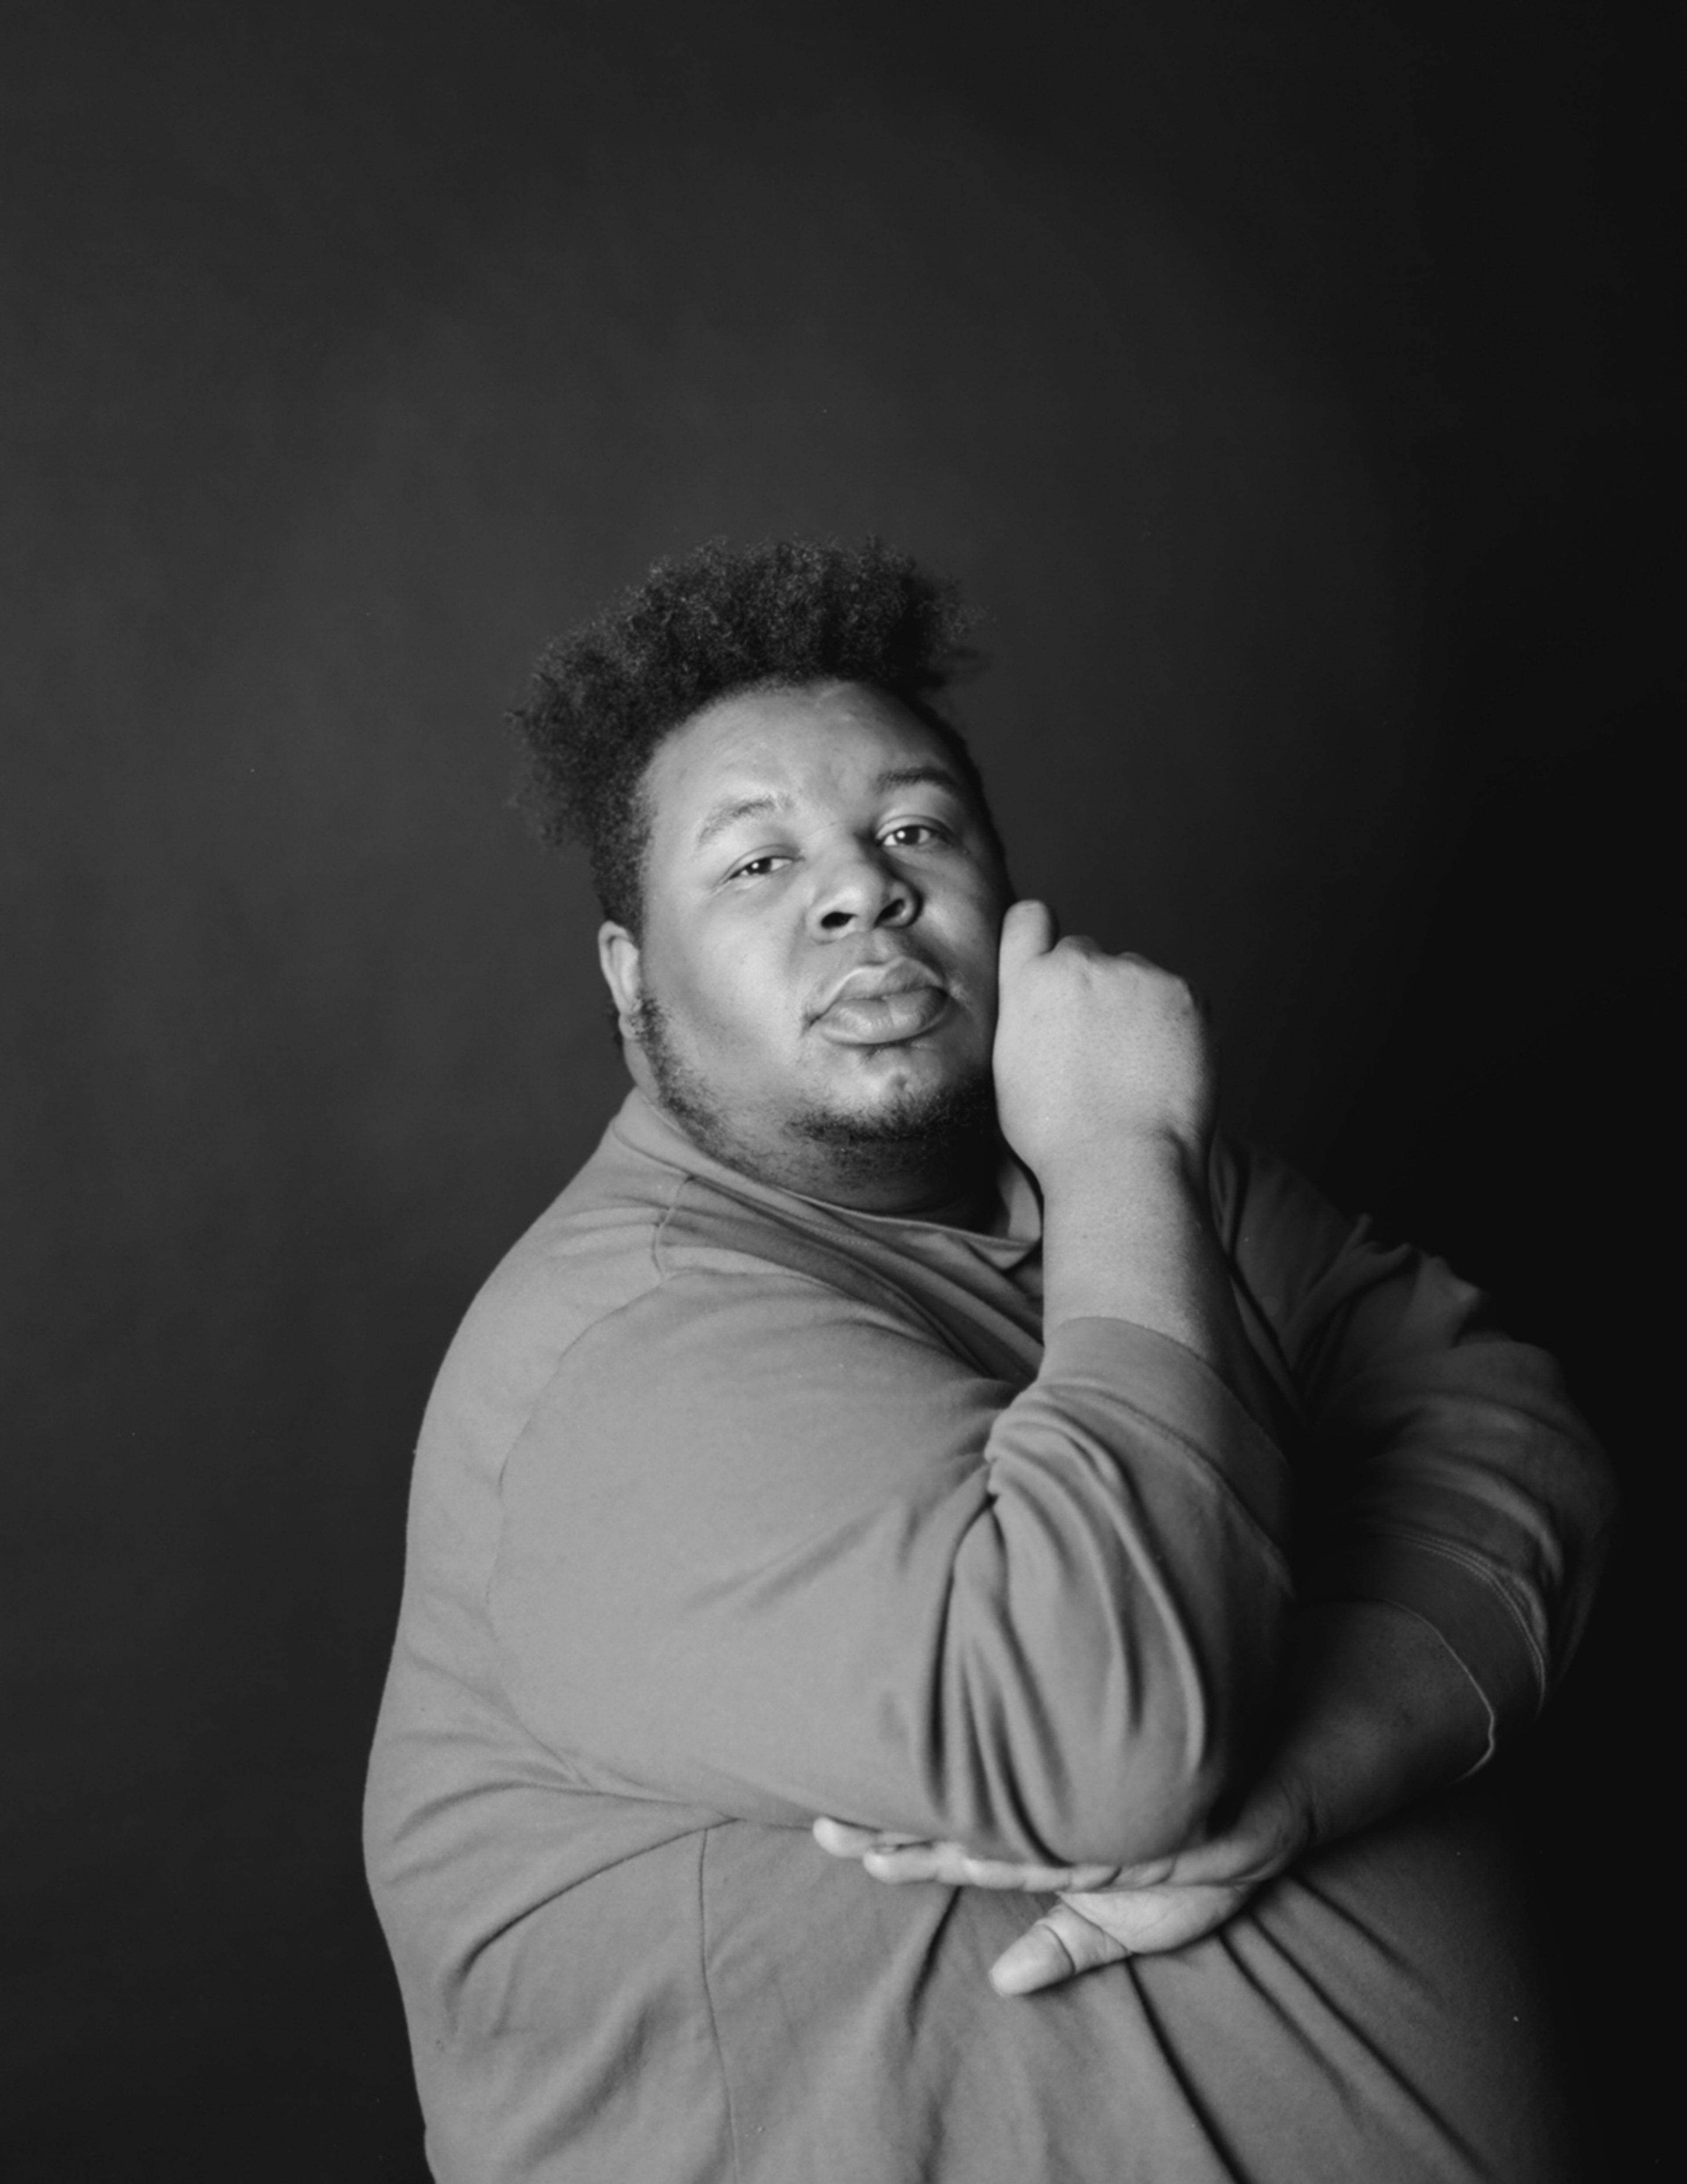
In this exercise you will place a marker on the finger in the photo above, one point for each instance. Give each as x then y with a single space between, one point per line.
1029 929
1152 1873
896 1863
888 1856
952 1863
1226 1862
1058 1947
1035 1880
842 1839
1147 1921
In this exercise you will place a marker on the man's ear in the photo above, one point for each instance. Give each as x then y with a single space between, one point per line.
619 959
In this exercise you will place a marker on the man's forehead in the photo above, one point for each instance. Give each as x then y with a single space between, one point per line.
715 818
771 751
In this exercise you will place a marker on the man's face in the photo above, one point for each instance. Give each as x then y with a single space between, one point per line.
814 993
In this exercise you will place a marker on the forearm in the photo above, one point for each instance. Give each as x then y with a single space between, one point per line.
1446 1470
1376 1712
1130 1235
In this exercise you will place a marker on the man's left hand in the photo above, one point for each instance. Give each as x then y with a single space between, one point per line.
1104 1912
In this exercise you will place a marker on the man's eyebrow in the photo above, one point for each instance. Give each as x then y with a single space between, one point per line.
918 777
721 815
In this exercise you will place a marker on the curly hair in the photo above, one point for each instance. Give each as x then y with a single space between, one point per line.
720 620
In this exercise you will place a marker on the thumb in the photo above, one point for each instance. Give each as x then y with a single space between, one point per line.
1029 929
1057 1948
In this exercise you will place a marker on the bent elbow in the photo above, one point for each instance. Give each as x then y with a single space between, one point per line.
1154 1801
1065 1792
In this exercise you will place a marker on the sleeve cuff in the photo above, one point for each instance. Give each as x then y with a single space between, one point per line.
1464 1606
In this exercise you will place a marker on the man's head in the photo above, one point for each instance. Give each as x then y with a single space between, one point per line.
719 622
803 884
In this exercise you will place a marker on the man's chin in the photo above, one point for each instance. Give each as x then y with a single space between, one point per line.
938 1121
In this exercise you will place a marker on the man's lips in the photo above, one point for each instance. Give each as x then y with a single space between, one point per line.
878 1004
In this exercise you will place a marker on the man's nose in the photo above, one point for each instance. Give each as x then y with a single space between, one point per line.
860 889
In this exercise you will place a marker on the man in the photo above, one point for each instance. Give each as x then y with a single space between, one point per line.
915 1448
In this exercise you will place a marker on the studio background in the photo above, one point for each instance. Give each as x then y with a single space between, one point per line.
1287 383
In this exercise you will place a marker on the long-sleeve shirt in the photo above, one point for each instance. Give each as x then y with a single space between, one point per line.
732 1508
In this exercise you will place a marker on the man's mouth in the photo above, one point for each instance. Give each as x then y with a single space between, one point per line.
879 1004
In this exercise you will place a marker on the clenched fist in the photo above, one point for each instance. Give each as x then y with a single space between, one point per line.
1094 1053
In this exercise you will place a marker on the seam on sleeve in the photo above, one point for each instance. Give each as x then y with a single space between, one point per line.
1465 1669
1492 1582
592 1326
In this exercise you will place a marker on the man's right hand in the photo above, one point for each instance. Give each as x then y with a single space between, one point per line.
1096 1056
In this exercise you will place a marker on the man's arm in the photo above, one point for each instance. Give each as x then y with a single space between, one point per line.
1376 1712
772 1547
1104 1090
1447 1471
1462 1511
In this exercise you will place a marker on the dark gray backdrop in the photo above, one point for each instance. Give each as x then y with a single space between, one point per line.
1287 382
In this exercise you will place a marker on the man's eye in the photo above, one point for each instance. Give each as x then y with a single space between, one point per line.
755 868
913 834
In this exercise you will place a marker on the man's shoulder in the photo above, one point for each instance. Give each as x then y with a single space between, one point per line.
639 1213
592 1251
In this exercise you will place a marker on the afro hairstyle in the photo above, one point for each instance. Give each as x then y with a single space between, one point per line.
720 620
